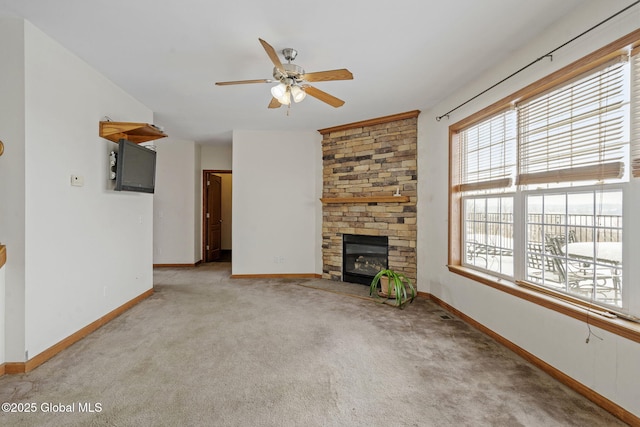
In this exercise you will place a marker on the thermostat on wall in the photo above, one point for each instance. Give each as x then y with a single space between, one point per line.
77 180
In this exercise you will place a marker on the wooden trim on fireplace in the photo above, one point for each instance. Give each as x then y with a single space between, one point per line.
371 199
371 122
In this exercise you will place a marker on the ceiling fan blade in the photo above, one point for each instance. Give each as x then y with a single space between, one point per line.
323 96
244 82
323 76
273 56
274 103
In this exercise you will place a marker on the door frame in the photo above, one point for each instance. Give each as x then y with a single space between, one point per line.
203 212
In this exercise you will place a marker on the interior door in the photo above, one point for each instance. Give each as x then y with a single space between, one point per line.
212 216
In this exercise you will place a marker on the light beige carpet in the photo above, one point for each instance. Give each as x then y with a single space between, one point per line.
207 350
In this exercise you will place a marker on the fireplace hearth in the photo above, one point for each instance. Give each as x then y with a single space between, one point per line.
363 257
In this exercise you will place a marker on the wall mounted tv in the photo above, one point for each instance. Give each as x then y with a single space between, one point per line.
135 168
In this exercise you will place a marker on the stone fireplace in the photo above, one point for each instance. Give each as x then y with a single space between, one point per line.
370 189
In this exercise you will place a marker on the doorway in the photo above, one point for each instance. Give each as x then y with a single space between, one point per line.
216 215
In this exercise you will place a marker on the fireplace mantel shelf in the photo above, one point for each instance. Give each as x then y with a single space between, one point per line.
370 199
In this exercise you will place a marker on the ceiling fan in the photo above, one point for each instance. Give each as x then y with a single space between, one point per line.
293 80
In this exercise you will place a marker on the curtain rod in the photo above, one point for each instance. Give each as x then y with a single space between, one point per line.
546 55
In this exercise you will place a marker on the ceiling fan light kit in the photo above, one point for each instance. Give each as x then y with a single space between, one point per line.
279 90
298 93
293 80
281 93
286 91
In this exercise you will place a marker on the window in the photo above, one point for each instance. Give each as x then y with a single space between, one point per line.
635 112
576 132
574 243
489 233
488 153
537 185
488 166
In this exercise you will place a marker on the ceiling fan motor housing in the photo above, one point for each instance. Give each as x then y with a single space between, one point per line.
293 71
289 54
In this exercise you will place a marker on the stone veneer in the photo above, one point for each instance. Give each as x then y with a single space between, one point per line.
369 159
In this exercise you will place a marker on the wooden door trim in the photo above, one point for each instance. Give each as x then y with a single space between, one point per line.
203 212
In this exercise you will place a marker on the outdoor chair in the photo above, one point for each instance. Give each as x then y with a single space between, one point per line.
541 267
583 277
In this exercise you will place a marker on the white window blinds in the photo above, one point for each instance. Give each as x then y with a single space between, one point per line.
635 112
575 132
488 153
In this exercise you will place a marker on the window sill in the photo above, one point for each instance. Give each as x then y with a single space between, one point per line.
624 328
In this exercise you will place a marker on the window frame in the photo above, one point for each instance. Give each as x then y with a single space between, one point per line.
556 301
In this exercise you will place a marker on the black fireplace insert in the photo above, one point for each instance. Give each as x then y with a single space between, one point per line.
363 257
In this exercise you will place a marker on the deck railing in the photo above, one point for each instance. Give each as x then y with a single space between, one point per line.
607 228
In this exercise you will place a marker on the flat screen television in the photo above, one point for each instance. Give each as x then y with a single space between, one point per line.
135 168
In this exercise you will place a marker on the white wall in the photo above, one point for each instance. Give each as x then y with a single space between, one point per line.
77 253
175 204
216 157
276 205
2 318
12 181
197 212
319 187
608 366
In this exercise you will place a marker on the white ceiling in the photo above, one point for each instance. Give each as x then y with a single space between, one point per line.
404 54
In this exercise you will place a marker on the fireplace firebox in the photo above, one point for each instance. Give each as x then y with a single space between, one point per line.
363 257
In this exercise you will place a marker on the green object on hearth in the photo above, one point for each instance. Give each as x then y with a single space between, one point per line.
393 285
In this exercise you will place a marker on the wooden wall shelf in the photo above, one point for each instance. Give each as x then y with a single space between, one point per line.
371 199
134 132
